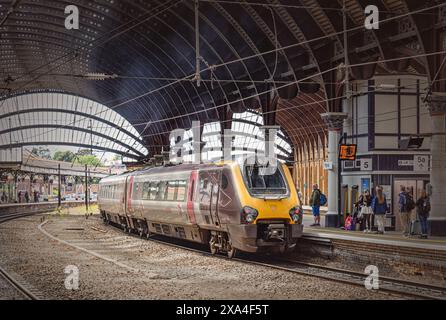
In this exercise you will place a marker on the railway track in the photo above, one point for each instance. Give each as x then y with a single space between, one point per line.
391 285
400 287
21 288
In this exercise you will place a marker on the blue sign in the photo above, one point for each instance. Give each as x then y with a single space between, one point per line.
365 184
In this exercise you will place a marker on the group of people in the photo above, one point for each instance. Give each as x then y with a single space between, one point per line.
368 206
377 206
374 207
4 197
25 197
22 197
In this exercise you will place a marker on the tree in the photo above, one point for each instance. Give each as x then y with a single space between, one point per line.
89 159
41 152
66 156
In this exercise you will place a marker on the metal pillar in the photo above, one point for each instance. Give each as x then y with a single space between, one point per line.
437 219
59 193
334 121
86 189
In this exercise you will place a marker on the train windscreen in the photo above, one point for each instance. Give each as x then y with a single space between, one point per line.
263 182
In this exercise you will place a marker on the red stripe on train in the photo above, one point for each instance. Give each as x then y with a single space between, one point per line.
190 195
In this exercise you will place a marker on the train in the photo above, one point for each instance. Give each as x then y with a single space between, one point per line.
229 206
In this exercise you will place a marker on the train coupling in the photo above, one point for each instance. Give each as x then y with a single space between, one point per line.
275 232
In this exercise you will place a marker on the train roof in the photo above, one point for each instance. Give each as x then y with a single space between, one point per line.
168 168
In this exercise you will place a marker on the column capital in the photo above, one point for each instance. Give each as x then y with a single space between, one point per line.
436 104
334 120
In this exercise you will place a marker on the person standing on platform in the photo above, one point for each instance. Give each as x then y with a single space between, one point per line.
26 196
300 196
404 214
379 207
315 203
423 210
365 207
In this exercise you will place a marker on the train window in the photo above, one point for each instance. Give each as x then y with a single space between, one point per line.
170 192
161 190
153 190
265 183
145 190
181 190
224 181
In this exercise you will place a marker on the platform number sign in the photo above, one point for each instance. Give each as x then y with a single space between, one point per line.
421 163
366 164
347 152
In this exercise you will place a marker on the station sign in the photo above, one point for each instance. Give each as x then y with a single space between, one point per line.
347 151
421 163
328 165
366 164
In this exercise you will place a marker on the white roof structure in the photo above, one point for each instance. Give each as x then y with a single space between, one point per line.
53 118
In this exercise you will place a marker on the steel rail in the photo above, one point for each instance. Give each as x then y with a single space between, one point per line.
387 284
3 273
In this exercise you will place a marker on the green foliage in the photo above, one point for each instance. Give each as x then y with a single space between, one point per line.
66 156
90 160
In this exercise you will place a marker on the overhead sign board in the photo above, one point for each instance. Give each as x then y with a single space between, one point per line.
347 152
421 163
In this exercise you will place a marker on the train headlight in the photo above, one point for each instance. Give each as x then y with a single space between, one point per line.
296 214
249 214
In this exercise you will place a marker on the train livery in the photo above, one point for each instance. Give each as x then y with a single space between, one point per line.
229 206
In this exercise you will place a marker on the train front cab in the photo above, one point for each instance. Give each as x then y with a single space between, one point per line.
271 215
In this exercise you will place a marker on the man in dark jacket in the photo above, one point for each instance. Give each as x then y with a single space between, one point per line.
423 210
315 203
404 214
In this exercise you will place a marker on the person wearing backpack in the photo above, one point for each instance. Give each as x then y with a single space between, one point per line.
404 213
423 210
315 203
379 207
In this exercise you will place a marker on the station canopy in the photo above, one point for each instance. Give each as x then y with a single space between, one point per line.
138 59
52 118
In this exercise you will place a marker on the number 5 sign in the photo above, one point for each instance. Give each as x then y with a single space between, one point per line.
421 163
366 164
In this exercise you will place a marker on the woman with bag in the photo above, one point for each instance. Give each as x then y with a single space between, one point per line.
365 210
379 207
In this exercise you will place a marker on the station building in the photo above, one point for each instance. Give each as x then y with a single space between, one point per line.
133 72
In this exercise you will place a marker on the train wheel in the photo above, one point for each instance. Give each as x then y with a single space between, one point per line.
212 246
232 252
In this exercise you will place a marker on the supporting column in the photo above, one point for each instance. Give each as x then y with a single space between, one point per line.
437 219
334 121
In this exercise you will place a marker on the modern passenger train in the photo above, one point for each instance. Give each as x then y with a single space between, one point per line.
228 205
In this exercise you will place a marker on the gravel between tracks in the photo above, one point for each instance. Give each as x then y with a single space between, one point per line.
162 272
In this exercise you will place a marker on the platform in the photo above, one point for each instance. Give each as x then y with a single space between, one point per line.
393 238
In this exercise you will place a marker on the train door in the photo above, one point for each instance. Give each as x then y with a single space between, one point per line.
209 194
